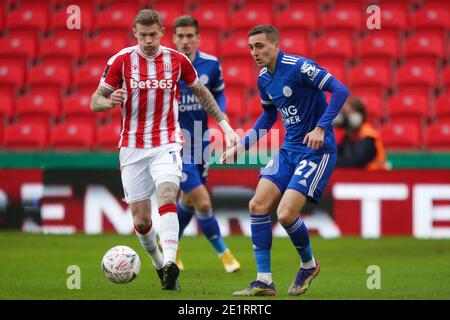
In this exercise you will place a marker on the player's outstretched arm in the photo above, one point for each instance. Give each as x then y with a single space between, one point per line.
104 99
209 104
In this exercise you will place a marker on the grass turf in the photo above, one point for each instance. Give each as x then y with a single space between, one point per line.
34 267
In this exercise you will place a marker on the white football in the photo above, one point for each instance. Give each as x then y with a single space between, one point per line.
121 264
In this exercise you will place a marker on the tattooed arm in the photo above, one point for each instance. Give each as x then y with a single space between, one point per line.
209 104
104 99
207 101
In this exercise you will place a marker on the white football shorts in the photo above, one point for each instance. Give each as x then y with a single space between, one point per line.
143 169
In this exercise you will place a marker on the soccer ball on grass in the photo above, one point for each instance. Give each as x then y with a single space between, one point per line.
121 264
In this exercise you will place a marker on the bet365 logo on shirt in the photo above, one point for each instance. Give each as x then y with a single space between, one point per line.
152 84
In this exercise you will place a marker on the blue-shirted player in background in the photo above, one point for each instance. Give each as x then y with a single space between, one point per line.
193 119
293 86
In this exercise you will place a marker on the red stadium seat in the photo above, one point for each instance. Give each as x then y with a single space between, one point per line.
41 108
49 76
11 75
209 42
442 107
115 19
447 77
108 136
2 16
213 16
416 75
297 17
6 106
88 75
61 47
437 136
28 17
133 5
425 50
26 136
111 115
238 74
332 47
248 17
76 108
18 46
374 107
169 11
235 46
369 75
61 19
400 136
235 104
294 42
432 18
357 5
254 107
408 107
334 66
342 19
394 19
104 46
379 47
72 137
403 5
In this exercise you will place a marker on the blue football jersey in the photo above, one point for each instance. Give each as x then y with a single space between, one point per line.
296 90
193 119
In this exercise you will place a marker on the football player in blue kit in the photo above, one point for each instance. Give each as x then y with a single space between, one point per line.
195 199
294 87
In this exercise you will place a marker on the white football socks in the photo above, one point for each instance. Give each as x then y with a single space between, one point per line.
310 264
168 234
148 242
265 277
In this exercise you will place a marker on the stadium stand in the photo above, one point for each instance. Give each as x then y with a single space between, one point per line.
437 136
401 135
402 72
107 136
26 135
72 136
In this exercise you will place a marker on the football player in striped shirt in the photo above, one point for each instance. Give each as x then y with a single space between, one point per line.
294 87
144 81
195 199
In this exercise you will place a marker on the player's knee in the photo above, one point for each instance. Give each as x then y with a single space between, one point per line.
285 215
141 221
203 206
258 206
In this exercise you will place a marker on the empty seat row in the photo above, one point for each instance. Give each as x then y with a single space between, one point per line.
25 135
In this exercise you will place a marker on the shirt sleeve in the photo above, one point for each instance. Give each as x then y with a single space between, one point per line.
188 72
312 74
265 99
112 75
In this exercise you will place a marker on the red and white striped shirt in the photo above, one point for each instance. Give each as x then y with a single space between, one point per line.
150 109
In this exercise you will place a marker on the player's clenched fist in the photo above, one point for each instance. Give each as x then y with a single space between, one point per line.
314 139
117 97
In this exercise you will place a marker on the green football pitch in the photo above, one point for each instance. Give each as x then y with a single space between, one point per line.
35 267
